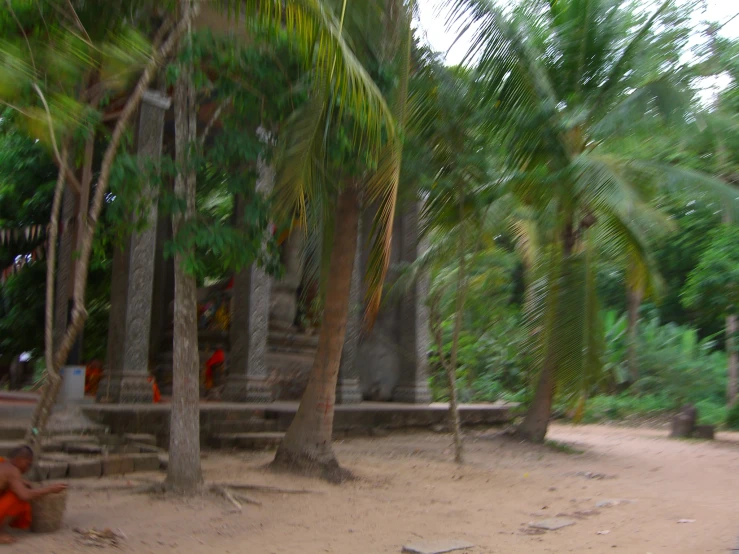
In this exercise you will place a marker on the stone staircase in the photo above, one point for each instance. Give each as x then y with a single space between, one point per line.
89 451
253 432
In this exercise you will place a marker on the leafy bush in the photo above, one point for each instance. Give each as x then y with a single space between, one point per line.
732 418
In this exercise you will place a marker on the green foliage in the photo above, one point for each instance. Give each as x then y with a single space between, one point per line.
732 418
713 285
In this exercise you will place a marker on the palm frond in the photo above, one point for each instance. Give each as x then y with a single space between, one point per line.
382 186
609 88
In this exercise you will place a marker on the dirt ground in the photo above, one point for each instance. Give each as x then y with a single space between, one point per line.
409 490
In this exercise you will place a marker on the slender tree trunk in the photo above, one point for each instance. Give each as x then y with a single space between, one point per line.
306 447
732 384
452 367
184 473
634 298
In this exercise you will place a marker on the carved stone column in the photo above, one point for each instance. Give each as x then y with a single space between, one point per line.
413 336
284 294
110 387
134 385
247 368
348 389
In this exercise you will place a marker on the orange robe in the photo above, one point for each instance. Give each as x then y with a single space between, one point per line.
156 393
14 511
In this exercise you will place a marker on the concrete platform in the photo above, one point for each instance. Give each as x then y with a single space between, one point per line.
349 420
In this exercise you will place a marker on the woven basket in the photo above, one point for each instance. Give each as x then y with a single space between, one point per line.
48 512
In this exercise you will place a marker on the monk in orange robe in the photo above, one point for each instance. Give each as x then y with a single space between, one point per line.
155 392
93 375
16 493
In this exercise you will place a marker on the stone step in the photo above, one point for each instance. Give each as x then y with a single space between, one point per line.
247 441
253 425
12 431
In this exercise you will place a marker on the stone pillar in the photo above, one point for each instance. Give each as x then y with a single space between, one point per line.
284 293
134 384
110 387
348 389
413 335
247 368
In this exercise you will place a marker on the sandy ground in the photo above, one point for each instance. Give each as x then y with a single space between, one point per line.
408 490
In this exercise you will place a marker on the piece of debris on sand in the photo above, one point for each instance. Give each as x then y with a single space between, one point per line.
552 524
99 539
436 547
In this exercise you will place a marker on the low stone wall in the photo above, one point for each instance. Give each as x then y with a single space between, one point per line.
349 420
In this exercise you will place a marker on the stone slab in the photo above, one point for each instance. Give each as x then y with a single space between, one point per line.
146 462
118 465
7 446
85 467
437 547
552 524
144 438
145 448
53 469
82 448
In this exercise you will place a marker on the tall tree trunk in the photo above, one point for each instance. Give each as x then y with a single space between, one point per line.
732 384
634 296
306 447
184 474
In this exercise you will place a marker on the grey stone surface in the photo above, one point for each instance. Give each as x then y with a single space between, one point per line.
284 294
348 389
118 464
437 547
86 467
413 327
146 462
134 386
552 524
247 377
378 357
110 386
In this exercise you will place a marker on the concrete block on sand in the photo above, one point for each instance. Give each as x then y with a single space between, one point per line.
436 547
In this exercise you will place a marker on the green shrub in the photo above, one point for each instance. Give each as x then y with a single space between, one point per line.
732 417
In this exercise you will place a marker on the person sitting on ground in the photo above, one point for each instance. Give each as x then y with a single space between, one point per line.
16 493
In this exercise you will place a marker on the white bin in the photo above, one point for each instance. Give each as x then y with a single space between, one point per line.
73 385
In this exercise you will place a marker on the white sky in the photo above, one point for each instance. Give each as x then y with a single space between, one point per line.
441 39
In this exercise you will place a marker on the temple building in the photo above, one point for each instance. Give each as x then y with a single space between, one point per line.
260 324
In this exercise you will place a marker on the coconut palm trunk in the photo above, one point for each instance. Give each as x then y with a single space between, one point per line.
306 447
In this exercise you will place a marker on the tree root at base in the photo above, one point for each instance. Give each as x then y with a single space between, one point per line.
303 464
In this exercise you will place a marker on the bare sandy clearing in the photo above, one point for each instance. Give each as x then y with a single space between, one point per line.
410 490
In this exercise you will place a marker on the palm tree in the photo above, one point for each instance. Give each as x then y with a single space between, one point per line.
564 80
303 190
